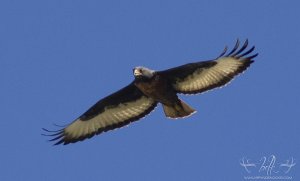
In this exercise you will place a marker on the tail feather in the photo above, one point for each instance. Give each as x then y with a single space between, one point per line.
179 110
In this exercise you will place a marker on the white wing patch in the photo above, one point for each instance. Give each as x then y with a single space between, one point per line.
111 116
204 78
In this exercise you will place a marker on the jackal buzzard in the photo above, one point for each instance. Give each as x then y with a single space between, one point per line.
151 87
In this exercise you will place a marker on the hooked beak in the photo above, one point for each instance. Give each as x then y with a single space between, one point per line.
137 72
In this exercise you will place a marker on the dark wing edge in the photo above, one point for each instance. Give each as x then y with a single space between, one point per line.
238 53
124 95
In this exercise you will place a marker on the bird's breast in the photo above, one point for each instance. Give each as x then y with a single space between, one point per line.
157 88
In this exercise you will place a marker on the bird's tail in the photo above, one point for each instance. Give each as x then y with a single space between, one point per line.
179 110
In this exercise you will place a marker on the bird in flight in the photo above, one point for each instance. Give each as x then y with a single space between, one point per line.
149 88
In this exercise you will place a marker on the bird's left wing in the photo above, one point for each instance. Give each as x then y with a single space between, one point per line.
119 109
198 77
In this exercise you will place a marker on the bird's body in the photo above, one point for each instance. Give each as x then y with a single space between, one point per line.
156 88
150 88
160 89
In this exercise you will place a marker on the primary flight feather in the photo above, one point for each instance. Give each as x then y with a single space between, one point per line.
151 87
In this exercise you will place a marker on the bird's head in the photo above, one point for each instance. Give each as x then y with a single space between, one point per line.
143 72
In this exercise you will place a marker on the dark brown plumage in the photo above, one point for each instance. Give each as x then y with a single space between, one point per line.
151 87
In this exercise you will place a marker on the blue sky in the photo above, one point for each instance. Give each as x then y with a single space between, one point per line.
57 58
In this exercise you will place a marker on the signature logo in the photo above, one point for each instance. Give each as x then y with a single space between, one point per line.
267 168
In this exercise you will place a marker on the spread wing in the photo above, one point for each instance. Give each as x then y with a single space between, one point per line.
114 111
198 77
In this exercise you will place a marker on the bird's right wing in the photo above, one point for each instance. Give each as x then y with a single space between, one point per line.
199 77
117 110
